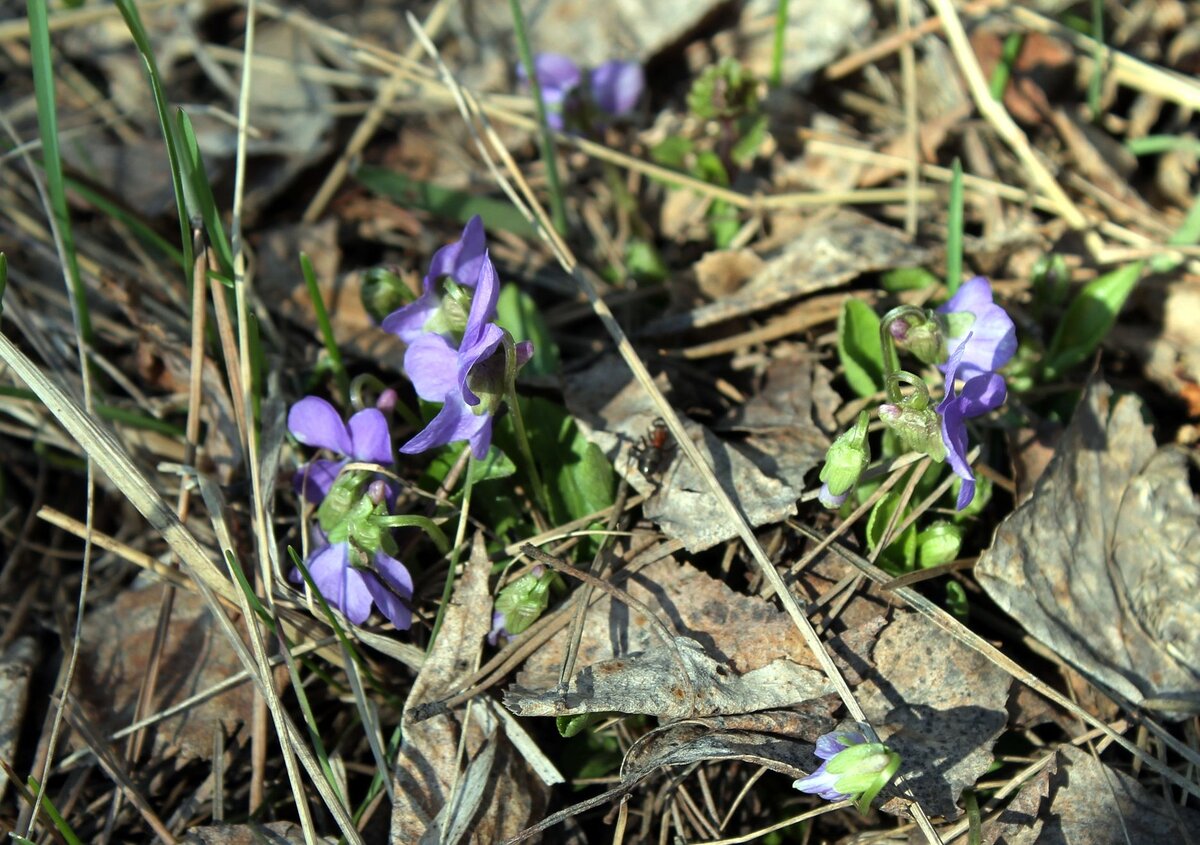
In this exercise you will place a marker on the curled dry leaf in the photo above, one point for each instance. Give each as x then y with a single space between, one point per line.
1102 563
1079 800
673 681
497 795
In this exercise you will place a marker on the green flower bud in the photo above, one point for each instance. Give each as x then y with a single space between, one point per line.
383 292
921 334
864 769
918 429
725 90
525 599
847 458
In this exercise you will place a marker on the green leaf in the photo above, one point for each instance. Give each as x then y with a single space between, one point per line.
1089 317
495 464
569 726
672 151
644 261
956 600
858 347
709 168
444 202
907 278
724 223
901 553
746 148
516 312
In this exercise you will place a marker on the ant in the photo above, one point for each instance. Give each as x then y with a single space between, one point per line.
653 449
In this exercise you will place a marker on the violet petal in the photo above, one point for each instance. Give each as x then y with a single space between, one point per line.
316 423
370 436
432 366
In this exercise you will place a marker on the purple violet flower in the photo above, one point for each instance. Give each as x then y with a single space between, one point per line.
980 394
457 375
613 88
617 86
972 312
354 590
464 263
499 630
822 782
316 423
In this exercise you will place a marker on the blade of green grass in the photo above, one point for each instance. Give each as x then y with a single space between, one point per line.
182 185
1096 82
558 210
1003 70
202 190
331 347
43 84
1155 144
1186 235
954 230
781 19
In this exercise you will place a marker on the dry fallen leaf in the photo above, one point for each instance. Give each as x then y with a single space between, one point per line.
1077 800
16 665
939 704
114 659
273 833
494 792
1102 563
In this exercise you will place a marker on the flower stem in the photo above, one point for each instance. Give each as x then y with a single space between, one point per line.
545 140
891 357
535 477
459 537
424 523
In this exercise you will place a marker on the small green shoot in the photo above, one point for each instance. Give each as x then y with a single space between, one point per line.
858 347
326 328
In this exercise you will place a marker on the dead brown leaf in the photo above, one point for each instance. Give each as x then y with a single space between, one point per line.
1102 564
493 794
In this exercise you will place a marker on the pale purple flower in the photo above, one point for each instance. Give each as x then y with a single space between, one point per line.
316 423
617 86
822 782
972 312
980 394
830 499
464 261
499 631
613 88
354 590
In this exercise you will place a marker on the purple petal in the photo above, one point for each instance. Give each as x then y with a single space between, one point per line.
829 745
829 500
408 323
483 304
821 783
456 421
391 602
432 366
617 86
483 346
498 629
555 72
316 423
313 479
974 295
462 260
524 351
340 584
982 394
370 437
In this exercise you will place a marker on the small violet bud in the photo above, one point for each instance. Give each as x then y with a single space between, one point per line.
524 600
845 461
377 491
852 768
918 429
920 333
387 400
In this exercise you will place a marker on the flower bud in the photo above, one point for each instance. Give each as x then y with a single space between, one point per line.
922 334
525 599
387 400
377 491
845 461
852 767
382 292
918 429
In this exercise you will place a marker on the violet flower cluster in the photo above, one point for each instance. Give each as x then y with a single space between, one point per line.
456 354
575 98
968 338
352 563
